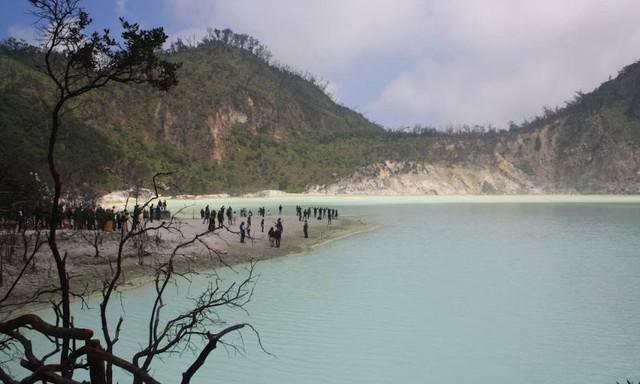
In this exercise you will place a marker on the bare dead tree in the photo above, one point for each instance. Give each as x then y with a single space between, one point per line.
76 64
27 242
94 237
19 239
8 242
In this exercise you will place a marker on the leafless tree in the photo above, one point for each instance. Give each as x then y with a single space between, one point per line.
76 64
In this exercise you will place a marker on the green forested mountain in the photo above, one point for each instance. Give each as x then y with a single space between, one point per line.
237 124
234 123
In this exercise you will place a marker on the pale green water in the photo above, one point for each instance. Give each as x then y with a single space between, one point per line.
489 291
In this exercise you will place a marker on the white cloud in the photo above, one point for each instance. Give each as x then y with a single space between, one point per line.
505 60
463 61
315 35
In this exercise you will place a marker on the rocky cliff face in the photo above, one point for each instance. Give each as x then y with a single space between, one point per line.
588 153
577 154
412 178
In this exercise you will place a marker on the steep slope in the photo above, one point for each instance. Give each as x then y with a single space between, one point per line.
590 146
234 124
225 92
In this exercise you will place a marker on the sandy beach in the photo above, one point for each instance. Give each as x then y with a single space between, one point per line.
91 254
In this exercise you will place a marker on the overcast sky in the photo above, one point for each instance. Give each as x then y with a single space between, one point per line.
406 62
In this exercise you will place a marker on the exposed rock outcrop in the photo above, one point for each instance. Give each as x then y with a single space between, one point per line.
411 178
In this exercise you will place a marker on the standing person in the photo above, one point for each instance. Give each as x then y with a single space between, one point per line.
305 229
125 221
136 217
278 232
205 216
242 231
272 237
221 217
211 226
262 225
280 209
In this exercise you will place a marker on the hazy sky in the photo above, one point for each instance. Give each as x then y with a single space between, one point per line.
406 62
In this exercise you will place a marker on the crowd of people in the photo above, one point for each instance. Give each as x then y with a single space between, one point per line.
85 216
318 212
215 219
90 217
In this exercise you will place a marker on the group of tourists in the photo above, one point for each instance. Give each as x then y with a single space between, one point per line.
83 216
318 212
275 233
209 217
86 216
246 226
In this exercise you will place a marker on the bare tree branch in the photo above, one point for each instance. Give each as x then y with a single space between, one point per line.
208 348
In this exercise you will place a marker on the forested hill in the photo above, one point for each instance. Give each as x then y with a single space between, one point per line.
238 123
234 123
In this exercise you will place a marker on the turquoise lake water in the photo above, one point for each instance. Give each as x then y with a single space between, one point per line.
475 290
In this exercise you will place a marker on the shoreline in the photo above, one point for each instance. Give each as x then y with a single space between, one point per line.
186 202
236 256
87 271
